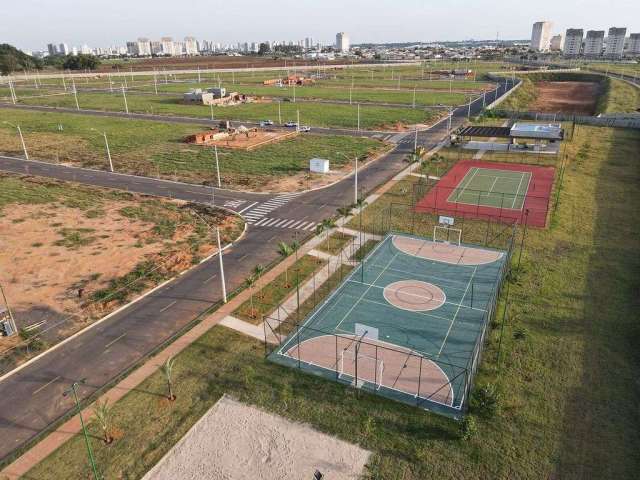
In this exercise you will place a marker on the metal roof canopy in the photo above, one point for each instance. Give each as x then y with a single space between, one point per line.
498 132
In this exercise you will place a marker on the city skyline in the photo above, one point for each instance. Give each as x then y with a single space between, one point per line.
389 22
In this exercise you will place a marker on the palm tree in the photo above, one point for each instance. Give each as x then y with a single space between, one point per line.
258 270
167 371
285 250
345 211
324 226
411 159
104 415
249 282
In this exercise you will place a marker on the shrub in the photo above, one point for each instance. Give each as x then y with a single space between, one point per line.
468 428
485 400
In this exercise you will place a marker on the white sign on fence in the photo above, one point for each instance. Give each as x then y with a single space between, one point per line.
445 220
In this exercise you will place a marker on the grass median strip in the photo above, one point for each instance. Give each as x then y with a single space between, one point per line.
267 297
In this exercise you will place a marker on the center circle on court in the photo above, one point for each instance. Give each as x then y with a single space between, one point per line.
414 295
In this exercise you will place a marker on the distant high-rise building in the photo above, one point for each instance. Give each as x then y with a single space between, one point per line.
573 41
168 46
541 36
342 42
85 50
52 49
74 51
557 43
63 49
308 43
190 46
156 48
615 42
634 44
593 43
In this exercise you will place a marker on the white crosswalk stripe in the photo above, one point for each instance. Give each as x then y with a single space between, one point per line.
285 223
261 210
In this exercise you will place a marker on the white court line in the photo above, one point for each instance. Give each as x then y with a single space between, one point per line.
355 304
518 191
459 193
456 314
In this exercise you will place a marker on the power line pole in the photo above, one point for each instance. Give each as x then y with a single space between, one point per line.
73 391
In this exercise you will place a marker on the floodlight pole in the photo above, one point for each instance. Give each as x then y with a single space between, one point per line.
469 111
298 121
355 183
124 95
73 391
279 113
450 116
155 82
414 97
215 149
24 146
294 92
358 117
106 144
211 108
415 141
224 288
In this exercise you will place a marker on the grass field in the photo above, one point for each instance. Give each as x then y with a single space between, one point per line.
314 114
158 149
566 380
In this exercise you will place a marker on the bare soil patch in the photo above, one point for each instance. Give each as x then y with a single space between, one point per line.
566 97
237 441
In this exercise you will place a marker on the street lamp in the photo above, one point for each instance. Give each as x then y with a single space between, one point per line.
355 177
73 391
106 144
24 147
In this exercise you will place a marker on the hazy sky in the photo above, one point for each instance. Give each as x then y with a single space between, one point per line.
31 24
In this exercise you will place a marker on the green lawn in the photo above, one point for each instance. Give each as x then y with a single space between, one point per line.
568 398
314 114
335 243
158 149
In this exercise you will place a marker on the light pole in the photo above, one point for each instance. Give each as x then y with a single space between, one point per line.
74 392
355 177
450 116
358 117
215 149
124 95
469 111
279 113
415 140
24 146
224 288
298 121
106 144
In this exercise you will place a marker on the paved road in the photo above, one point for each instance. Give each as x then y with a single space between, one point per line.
31 399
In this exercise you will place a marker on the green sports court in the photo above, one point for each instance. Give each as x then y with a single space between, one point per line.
491 187
408 323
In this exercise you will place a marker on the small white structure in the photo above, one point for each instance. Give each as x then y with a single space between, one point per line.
541 131
319 165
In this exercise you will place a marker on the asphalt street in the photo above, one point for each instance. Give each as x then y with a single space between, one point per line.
31 398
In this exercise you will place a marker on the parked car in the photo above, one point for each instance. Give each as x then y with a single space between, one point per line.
305 128
291 124
265 123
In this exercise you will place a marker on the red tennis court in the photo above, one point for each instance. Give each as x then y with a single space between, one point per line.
501 192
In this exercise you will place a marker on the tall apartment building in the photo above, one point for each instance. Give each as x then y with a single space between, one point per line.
573 41
594 43
557 43
168 46
342 42
634 44
190 46
615 42
541 36
52 49
140 48
63 49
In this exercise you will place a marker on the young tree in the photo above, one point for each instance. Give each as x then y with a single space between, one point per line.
324 226
344 212
258 270
167 371
104 414
285 250
250 282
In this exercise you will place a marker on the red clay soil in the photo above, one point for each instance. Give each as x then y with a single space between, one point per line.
536 203
566 97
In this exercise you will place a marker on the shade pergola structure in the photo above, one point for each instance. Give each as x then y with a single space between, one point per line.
525 131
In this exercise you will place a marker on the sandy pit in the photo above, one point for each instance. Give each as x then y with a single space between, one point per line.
566 97
236 441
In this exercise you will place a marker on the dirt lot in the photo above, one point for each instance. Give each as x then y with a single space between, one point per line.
252 140
566 97
220 61
72 254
